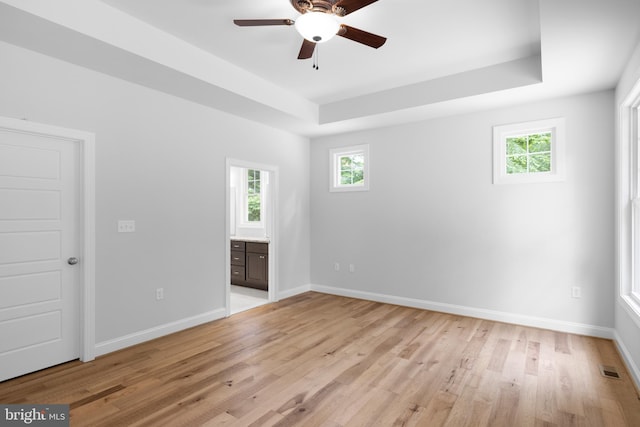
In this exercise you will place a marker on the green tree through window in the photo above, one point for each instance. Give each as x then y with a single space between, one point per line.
529 153
253 195
351 169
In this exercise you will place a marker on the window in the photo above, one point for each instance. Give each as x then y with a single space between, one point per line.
529 152
349 168
628 205
254 196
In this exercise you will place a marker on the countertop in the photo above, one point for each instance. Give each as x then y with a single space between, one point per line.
251 239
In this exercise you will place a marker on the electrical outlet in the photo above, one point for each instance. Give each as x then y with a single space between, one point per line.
159 294
336 266
576 292
126 226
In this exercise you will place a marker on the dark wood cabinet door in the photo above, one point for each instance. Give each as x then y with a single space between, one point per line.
257 269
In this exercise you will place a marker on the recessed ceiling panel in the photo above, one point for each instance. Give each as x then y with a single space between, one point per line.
426 40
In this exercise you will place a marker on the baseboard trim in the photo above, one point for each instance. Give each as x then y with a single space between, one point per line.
119 343
293 292
157 332
498 316
628 360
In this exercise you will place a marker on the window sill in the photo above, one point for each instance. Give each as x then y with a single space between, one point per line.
251 225
352 188
632 308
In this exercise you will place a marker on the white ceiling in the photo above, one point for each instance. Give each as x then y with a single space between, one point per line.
441 57
426 39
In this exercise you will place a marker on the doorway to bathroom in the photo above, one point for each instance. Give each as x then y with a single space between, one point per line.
251 235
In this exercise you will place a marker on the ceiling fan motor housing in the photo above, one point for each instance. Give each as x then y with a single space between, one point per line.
326 6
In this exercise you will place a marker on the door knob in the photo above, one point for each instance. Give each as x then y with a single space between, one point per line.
72 261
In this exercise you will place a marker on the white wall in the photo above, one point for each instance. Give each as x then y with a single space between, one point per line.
434 228
627 325
160 160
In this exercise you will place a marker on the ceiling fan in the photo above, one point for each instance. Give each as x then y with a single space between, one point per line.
318 24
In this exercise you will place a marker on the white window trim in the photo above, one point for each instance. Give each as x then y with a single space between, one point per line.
500 133
244 218
334 176
633 293
629 204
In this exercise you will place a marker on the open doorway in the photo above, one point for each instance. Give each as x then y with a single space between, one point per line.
251 276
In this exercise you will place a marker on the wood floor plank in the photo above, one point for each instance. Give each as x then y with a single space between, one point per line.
329 361
378 403
478 415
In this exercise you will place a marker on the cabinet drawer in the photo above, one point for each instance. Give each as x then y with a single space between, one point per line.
237 245
237 257
257 248
237 273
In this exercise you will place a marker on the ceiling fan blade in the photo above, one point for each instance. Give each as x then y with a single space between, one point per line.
261 22
353 5
361 36
306 51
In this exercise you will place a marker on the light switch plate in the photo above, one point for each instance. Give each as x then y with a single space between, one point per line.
126 226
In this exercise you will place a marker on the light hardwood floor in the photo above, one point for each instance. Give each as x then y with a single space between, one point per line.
321 360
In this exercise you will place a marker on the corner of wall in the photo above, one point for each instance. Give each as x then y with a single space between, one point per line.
627 357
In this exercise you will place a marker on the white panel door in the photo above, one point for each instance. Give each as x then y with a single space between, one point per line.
39 288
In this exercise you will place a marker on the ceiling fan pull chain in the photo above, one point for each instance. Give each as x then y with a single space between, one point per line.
315 58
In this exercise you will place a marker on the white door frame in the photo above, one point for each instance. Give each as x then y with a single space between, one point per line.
86 145
272 218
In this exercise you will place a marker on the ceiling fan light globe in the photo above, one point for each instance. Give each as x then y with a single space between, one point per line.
317 27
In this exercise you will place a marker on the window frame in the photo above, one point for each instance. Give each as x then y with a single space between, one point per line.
634 290
555 126
628 206
245 200
335 155
633 112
